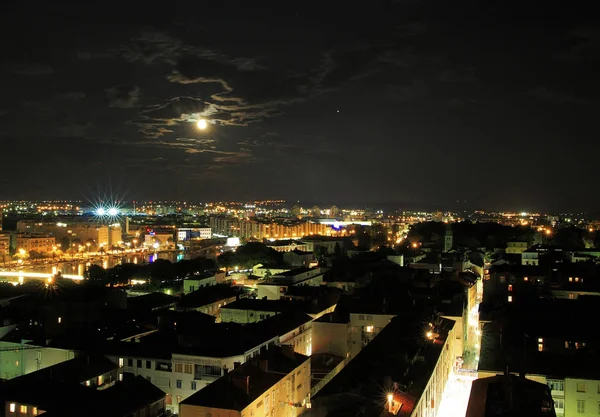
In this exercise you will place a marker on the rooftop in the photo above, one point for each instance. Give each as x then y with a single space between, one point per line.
240 387
311 306
121 399
400 353
55 379
509 395
148 302
207 295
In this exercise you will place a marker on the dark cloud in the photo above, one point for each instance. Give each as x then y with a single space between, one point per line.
407 92
123 96
559 96
72 96
287 89
584 46
30 69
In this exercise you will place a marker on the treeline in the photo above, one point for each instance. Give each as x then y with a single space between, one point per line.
158 274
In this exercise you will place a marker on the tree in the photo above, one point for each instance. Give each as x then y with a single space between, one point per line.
162 270
95 273
337 251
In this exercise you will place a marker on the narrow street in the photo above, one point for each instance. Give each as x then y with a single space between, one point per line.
456 395
455 398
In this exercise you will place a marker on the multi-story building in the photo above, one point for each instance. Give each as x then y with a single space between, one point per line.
252 229
247 310
72 229
548 342
35 243
89 385
275 287
4 246
513 395
276 383
115 235
196 233
18 358
506 283
364 327
332 335
516 248
288 245
203 279
405 365
209 299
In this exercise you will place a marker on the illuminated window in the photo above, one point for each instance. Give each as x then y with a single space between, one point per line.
23 409
188 368
369 329
540 340
100 379
87 383
540 347
59 320
35 411
121 377
526 279
576 279
571 296
12 407
120 362
510 298
570 279
509 287
16 363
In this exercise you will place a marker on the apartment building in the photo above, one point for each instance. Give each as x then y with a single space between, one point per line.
194 282
407 371
331 335
89 385
202 357
556 346
208 300
275 287
516 248
35 243
18 358
70 228
364 327
276 383
4 246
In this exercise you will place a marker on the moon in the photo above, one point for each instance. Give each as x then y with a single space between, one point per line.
202 125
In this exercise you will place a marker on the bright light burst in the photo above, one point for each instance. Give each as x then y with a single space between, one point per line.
202 124
107 211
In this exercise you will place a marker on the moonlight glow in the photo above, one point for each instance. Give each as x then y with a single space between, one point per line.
202 124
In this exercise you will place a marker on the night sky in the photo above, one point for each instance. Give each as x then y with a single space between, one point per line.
414 102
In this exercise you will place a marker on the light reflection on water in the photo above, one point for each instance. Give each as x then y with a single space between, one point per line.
79 266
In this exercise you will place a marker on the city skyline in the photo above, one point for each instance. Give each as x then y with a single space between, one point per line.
410 103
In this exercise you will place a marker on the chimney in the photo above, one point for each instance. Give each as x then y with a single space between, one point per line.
242 382
264 365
